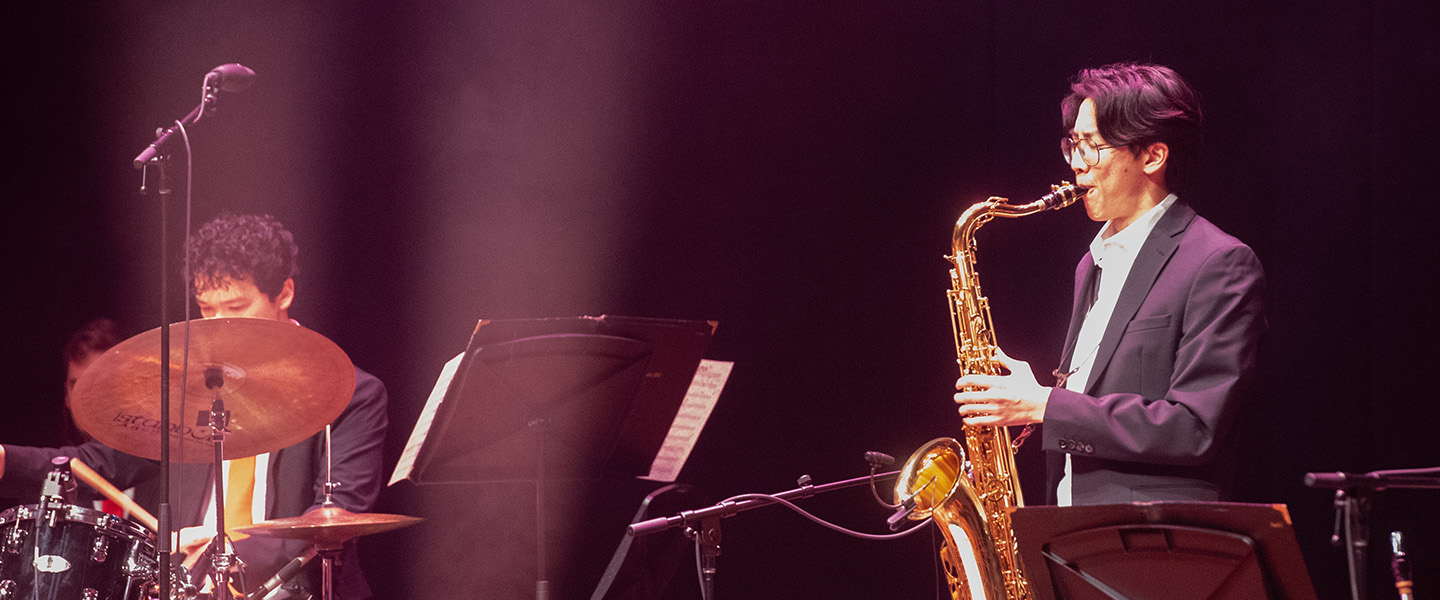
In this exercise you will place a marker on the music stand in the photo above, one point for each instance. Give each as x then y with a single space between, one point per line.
560 399
1161 550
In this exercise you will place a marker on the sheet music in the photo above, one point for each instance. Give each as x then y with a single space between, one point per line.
699 400
422 427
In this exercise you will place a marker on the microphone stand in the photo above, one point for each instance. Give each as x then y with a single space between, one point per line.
1351 518
208 101
154 155
1352 503
703 525
162 512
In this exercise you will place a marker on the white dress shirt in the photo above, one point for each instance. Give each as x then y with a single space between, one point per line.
1113 256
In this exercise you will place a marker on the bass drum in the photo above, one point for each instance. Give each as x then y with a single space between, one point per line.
73 553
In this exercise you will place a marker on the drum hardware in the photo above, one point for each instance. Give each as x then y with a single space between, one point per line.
61 552
272 384
218 420
84 473
282 384
181 583
327 528
14 540
284 575
329 525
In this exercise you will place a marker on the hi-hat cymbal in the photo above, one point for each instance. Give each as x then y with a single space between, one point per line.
328 525
280 382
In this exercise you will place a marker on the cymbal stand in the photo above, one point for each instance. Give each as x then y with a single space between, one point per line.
218 419
329 551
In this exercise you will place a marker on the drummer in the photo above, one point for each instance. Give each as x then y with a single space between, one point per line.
244 266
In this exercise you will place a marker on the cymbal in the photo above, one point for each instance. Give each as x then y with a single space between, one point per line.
328 525
280 382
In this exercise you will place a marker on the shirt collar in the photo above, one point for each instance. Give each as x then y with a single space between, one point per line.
1129 239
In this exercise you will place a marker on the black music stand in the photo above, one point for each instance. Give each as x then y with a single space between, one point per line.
1162 550
560 399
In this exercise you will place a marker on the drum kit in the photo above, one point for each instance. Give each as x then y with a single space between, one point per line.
271 384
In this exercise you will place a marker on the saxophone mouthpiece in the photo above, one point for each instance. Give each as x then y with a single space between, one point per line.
1063 195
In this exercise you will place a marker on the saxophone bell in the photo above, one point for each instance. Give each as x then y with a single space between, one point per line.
936 482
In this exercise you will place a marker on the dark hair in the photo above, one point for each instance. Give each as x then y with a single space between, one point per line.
1137 105
242 247
94 337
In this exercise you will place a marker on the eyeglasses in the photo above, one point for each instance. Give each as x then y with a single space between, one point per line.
1089 151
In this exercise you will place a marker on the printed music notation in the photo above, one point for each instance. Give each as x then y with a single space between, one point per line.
699 400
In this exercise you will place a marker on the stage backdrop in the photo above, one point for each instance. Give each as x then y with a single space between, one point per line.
790 169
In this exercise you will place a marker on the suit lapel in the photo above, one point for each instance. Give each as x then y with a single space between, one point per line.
1084 280
1151 259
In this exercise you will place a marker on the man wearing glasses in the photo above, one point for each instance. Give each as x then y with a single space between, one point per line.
1167 317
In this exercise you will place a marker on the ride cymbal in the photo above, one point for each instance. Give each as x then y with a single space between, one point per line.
280 382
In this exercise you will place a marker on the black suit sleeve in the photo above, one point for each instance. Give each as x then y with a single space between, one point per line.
26 467
358 444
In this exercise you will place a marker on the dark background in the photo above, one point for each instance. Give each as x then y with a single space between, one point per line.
790 169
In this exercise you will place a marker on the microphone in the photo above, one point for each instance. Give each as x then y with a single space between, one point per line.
232 77
267 589
879 460
1338 480
59 486
1376 480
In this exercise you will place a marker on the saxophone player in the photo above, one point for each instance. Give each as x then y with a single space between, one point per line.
1167 316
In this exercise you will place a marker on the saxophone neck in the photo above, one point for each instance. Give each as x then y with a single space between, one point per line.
1061 195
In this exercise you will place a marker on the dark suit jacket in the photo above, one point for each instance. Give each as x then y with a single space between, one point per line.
1176 359
296 475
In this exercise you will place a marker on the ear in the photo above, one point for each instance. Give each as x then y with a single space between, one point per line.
286 295
1154 158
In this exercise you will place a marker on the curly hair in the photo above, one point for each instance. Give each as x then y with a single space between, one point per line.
1137 105
257 248
94 337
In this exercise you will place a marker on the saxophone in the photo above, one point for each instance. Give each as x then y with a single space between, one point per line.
970 488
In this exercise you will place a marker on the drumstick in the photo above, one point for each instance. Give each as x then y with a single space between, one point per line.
94 480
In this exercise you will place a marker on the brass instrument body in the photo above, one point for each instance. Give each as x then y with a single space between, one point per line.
970 488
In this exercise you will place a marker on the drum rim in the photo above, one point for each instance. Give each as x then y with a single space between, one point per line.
98 519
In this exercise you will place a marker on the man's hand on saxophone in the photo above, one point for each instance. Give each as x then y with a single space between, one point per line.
993 400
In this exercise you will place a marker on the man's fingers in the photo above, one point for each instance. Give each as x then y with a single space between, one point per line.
1010 364
981 420
977 381
970 410
993 397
